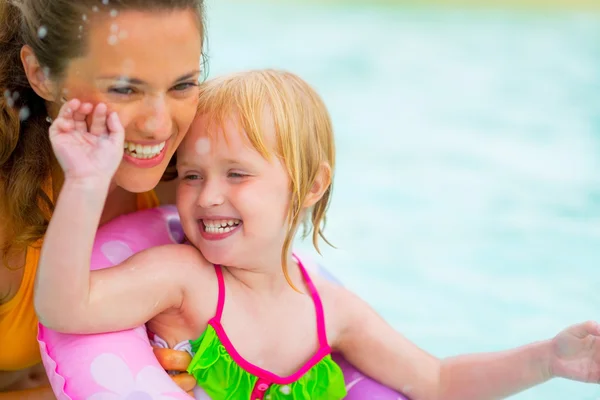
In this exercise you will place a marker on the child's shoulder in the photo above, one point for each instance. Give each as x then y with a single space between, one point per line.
176 257
334 299
178 250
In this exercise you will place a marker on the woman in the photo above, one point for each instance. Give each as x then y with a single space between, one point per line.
142 58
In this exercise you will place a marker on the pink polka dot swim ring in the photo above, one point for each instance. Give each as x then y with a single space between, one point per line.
121 365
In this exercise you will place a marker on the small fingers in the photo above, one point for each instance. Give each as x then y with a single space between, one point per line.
64 120
185 381
81 113
65 125
66 110
98 125
115 128
80 116
172 360
585 329
595 329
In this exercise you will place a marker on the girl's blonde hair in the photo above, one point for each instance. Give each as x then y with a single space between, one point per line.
303 129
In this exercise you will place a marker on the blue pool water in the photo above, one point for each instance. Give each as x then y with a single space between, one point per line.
467 197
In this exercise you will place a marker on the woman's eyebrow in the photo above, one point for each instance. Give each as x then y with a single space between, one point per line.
188 76
122 79
136 81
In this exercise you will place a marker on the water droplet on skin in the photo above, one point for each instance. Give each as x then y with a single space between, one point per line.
151 125
24 113
128 65
285 389
42 32
113 13
123 35
202 146
105 2
84 17
80 28
46 71
95 9
113 39
114 28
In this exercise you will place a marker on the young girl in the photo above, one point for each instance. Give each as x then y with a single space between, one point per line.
257 163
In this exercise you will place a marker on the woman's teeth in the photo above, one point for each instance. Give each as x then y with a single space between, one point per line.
143 151
220 226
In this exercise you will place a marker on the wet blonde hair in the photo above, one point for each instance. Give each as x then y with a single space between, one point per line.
303 129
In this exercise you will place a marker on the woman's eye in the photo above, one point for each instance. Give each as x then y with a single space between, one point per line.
184 86
191 177
125 91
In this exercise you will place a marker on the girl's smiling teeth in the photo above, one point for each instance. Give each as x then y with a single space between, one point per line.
137 150
220 225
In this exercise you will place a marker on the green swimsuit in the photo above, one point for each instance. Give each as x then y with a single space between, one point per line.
225 375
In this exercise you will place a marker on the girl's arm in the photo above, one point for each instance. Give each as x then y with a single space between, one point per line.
68 298
495 375
369 343
375 348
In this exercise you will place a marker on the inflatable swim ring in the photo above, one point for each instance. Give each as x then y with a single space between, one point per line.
121 365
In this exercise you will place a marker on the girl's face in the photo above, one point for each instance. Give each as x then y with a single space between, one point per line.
145 65
233 202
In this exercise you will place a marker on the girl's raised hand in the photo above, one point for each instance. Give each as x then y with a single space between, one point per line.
87 152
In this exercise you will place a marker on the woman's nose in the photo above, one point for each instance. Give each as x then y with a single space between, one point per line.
156 121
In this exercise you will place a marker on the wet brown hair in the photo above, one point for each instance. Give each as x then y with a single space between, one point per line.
51 29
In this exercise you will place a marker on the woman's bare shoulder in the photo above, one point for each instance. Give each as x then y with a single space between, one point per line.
11 270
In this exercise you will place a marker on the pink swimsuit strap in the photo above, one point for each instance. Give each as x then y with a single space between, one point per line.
313 293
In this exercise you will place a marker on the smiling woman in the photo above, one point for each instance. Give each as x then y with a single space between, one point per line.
140 57
154 94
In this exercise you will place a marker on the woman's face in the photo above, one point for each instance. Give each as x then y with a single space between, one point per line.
145 65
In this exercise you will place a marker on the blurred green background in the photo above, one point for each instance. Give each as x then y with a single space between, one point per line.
466 205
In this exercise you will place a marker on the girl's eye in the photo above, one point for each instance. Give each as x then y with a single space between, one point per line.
191 177
236 175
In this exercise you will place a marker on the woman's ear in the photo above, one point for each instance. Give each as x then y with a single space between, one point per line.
320 185
36 75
